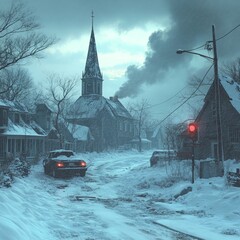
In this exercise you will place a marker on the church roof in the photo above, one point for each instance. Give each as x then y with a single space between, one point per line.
91 105
117 108
92 69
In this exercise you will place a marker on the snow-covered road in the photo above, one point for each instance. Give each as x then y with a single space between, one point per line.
120 198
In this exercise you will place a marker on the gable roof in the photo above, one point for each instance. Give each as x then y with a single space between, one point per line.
233 91
87 106
23 129
14 106
91 105
117 108
79 132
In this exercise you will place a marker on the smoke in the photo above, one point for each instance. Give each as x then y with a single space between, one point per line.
191 27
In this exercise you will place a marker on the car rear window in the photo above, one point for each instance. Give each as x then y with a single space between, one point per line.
57 154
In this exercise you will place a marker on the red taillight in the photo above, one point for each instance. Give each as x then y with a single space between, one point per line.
60 164
83 164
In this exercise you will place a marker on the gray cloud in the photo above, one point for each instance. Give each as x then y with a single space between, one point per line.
192 21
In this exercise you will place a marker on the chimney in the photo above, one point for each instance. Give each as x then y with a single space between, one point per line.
114 99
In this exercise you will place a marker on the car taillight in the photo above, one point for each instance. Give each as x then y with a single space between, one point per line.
60 164
83 164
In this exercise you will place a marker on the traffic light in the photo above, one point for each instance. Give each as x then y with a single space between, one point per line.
193 131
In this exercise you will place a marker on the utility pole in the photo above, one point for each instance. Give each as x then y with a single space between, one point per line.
217 100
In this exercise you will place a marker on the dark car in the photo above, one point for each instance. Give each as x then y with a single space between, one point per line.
64 163
161 155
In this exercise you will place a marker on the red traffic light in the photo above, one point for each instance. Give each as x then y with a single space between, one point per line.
193 131
192 127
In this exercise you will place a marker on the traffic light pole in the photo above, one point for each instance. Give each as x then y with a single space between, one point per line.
193 160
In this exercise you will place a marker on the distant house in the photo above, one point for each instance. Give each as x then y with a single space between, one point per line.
110 124
82 138
19 133
77 138
206 146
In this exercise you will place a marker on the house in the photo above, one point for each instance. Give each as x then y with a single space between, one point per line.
110 124
206 146
19 133
72 137
82 138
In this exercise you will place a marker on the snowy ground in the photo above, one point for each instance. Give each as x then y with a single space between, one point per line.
121 198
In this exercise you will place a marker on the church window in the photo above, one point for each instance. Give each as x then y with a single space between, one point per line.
89 89
98 88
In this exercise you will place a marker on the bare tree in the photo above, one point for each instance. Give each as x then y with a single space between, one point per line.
19 36
140 113
170 135
232 70
15 84
60 91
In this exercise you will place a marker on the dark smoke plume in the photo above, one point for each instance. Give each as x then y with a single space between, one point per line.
191 26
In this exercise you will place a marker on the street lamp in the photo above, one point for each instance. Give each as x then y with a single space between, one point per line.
217 92
180 51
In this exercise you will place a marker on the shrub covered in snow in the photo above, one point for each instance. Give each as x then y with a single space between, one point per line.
19 167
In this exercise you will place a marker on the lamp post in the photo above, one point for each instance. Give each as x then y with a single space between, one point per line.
217 92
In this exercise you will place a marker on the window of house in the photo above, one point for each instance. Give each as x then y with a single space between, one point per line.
214 109
17 117
18 145
121 126
3 117
48 123
234 134
125 126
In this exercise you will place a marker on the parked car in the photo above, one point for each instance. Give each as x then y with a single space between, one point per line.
64 162
161 155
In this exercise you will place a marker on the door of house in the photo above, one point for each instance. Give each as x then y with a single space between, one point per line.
214 150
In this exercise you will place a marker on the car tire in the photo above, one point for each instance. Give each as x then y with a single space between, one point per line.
82 174
55 174
45 170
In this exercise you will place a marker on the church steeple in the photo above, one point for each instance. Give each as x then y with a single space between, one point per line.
92 77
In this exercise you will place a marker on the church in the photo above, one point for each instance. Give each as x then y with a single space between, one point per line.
111 125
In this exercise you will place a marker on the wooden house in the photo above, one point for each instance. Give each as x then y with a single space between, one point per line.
19 133
206 146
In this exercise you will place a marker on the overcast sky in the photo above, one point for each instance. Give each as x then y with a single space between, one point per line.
136 42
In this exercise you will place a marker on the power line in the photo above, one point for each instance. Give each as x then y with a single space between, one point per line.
167 99
226 34
188 97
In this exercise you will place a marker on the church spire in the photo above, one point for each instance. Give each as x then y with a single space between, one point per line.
92 19
92 77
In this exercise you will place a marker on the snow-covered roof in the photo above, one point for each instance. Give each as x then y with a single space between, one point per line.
23 129
233 90
118 109
89 106
14 106
3 104
79 132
